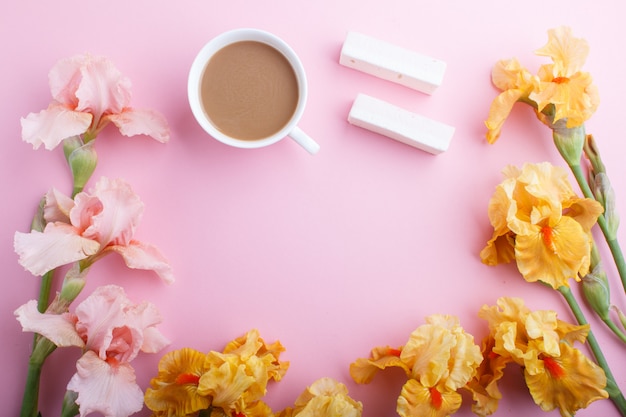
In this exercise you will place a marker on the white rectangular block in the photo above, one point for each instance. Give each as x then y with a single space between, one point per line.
402 125
392 63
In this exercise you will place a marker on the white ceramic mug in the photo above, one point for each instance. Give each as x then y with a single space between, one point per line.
290 129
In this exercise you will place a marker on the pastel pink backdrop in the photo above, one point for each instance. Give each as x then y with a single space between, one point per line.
331 254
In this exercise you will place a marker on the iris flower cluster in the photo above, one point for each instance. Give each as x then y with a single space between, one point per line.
72 232
545 228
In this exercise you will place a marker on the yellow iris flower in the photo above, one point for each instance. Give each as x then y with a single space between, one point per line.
325 397
438 359
228 383
562 83
557 374
540 222
173 392
238 377
559 91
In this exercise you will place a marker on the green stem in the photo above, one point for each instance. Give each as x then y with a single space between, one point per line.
44 291
30 402
618 332
613 243
611 386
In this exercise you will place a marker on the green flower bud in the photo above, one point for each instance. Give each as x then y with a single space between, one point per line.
70 408
593 154
73 284
569 141
595 288
70 145
621 315
82 160
39 222
604 194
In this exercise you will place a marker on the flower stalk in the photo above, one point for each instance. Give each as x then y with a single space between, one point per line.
612 242
41 350
612 388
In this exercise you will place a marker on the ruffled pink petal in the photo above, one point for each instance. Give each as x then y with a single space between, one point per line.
102 89
57 207
147 317
64 79
140 255
49 127
109 389
126 343
59 244
133 122
153 340
85 208
59 328
120 215
99 315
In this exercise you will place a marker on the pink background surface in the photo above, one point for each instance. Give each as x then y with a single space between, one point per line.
331 254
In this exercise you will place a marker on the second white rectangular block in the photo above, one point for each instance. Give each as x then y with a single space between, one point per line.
402 125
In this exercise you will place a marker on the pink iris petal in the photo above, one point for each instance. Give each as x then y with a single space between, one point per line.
59 244
64 79
49 127
133 122
139 255
57 207
153 340
120 214
102 89
59 328
148 317
86 206
99 314
109 389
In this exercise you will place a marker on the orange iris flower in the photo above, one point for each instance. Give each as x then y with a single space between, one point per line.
559 91
540 222
438 359
557 374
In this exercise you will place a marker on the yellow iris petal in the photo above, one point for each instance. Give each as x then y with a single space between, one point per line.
569 382
325 397
484 385
363 370
174 390
516 83
226 383
542 325
567 52
416 400
554 254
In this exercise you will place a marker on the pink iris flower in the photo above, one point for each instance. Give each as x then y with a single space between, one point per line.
111 330
89 92
88 227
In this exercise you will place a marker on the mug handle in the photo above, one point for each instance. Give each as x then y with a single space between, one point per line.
304 140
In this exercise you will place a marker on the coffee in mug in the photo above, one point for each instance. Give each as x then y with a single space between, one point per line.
247 88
